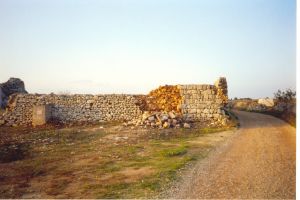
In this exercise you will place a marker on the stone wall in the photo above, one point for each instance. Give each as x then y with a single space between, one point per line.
201 102
198 102
71 108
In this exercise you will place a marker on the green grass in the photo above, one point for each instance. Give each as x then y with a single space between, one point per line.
110 166
212 130
174 151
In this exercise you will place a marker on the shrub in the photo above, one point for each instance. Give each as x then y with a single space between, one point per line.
285 96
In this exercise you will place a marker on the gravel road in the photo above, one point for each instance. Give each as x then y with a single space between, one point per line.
258 162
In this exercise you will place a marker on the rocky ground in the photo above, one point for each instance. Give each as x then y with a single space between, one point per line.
171 119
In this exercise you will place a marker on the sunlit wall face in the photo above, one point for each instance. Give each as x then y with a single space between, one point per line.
133 46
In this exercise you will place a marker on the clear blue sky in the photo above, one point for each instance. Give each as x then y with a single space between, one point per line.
133 46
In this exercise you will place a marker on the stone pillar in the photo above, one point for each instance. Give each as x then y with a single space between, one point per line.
41 114
222 92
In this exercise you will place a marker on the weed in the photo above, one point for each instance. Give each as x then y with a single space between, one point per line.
152 184
110 166
178 151
208 130
57 186
114 191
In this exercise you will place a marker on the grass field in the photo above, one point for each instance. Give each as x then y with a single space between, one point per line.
103 161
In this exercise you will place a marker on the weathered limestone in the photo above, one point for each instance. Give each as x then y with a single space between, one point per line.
222 92
41 115
266 102
204 101
12 86
72 108
197 102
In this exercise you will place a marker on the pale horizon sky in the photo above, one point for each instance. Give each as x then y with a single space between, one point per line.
133 46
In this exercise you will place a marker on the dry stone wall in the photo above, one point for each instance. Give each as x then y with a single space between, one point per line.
201 102
71 108
197 102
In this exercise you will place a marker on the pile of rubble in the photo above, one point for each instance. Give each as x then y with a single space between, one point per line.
162 109
165 98
160 119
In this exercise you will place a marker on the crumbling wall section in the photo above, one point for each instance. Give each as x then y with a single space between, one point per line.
165 98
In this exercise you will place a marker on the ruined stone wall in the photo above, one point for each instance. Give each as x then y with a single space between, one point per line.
71 108
195 102
201 102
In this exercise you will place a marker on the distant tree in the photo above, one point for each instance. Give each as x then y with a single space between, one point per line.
285 96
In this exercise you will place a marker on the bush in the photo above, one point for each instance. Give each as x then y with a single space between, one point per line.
285 96
285 106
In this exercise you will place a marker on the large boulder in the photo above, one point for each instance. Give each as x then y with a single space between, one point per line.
266 102
12 86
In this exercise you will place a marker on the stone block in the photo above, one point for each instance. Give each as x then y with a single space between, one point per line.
193 111
41 114
216 116
266 102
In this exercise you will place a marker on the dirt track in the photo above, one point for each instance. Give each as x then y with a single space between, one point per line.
258 162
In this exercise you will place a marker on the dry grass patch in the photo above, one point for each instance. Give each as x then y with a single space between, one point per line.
98 162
